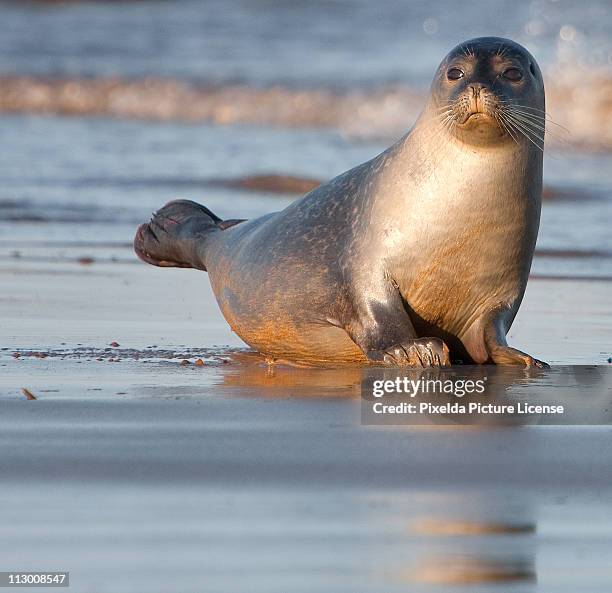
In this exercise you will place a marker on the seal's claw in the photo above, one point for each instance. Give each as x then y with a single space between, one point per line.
420 352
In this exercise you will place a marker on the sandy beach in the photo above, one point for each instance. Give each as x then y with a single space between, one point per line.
137 473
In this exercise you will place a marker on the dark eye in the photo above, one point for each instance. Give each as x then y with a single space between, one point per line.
513 74
455 74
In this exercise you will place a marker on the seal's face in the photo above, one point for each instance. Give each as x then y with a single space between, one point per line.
490 90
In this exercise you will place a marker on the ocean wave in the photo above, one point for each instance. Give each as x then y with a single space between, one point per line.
578 100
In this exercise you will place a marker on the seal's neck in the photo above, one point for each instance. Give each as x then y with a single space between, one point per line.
431 153
461 216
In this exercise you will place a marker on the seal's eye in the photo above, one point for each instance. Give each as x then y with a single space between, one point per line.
513 74
455 74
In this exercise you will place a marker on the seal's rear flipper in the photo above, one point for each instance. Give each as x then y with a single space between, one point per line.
176 235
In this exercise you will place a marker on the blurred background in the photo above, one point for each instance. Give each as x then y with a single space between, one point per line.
109 109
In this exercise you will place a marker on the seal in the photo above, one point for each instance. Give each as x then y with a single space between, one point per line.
417 257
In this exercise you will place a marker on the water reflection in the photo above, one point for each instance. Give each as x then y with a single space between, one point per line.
471 552
467 539
249 370
462 570
584 392
440 527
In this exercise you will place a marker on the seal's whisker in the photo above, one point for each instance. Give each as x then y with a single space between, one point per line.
543 115
511 130
520 132
538 125
467 51
445 120
535 134
502 49
443 117
519 127
446 123
529 107
499 117
529 134
527 125
557 138
532 112
437 123
446 106
540 119
438 119
537 118
536 110
535 131
447 110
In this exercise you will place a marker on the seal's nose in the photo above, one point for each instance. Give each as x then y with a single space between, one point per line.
475 96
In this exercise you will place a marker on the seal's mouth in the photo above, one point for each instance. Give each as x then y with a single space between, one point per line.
476 117
476 105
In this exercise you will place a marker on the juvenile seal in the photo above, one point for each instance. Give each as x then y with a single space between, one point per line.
416 257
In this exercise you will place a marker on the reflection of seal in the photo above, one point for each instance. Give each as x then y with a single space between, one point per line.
427 245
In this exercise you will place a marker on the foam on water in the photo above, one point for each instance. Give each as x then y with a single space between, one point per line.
353 65
577 104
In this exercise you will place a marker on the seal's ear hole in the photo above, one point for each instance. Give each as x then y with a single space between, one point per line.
532 68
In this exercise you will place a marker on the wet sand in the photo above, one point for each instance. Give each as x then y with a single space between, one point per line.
176 487
139 473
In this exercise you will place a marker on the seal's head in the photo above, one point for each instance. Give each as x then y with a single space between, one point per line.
489 90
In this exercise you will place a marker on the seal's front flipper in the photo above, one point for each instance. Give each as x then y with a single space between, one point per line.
423 352
176 236
494 332
383 330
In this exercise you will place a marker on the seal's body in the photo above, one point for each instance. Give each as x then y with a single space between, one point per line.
425 248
